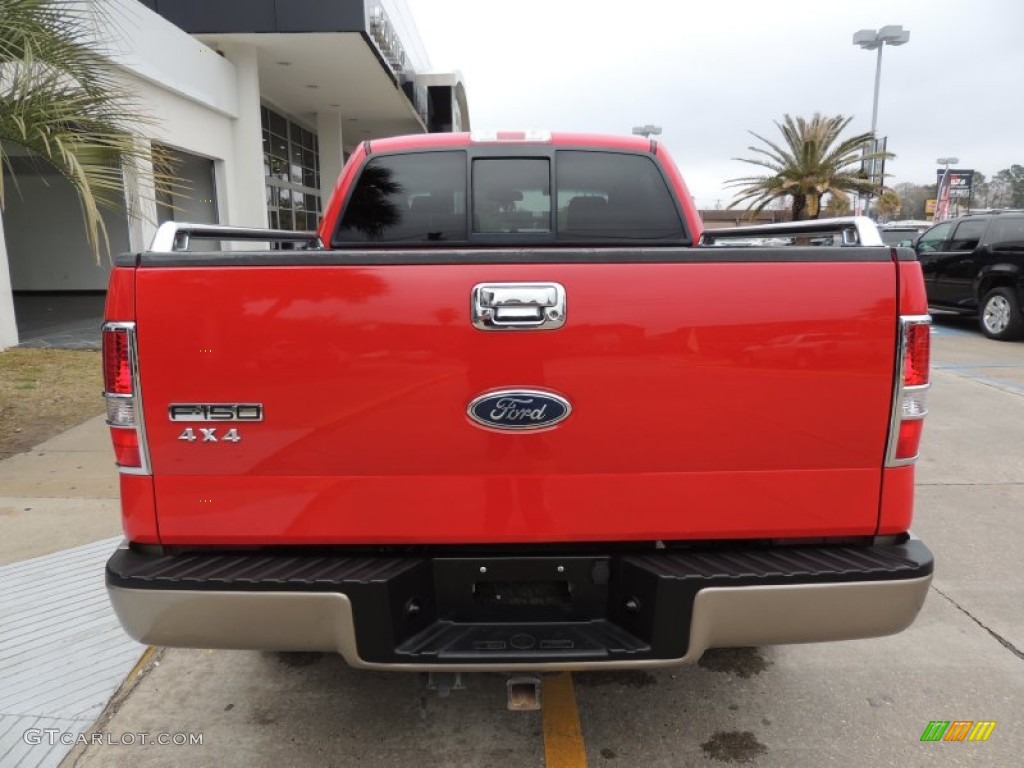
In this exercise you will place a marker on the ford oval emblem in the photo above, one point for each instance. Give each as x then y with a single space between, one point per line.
519 409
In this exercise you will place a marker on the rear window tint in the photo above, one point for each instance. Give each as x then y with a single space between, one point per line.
599 197
1008 233
896 236
604 196
512 195
967 235
408 198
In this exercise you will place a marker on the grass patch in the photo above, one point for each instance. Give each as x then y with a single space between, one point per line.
44 392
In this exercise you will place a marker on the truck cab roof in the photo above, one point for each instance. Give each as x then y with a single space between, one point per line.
559 139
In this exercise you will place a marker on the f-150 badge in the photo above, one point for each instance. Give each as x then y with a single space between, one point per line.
215 411
519 409
207 412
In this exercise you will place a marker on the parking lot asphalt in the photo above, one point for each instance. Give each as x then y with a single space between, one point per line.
857 703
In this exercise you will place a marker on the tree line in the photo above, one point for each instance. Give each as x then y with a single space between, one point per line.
1002 190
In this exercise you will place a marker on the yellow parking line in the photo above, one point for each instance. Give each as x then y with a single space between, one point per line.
563 737
146 657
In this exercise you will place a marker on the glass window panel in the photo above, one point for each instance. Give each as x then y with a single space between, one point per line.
278 146
298 201
277 123
278 169
936 238
968 235
1008 233
512 195
285 220
309 178
408 198
612 196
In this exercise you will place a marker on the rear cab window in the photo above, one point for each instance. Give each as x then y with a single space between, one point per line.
604 196
512 195
479 197
409 198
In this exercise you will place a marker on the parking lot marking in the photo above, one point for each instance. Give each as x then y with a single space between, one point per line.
563 737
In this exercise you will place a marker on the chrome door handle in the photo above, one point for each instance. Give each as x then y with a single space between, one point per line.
518 306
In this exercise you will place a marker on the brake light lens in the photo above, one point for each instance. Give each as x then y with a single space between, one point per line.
910 403
917 353
126 447
117 372
491 137
124 409
909 438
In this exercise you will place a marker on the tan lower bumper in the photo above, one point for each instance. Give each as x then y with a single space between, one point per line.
723 617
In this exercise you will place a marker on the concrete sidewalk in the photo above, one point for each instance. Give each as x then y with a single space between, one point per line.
63 653
61 494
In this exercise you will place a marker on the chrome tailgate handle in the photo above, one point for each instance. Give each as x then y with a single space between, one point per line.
518 306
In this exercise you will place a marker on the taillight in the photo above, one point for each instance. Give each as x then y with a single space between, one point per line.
117 371
126 447
910 404
916 352
124 405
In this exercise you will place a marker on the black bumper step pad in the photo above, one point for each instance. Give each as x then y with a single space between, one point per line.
467 643
486 608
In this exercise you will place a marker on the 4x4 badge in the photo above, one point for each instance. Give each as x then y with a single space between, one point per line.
209 435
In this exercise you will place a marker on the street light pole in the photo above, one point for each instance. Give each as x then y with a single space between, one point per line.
869 40
874 103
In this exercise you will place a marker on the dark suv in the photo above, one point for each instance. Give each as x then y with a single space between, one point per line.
975 264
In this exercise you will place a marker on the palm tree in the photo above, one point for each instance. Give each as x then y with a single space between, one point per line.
812 161
837 206
888 204
60 101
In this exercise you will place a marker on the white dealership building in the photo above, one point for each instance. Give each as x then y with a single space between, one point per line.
260 101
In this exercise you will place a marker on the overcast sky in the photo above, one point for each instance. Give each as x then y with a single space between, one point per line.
708 72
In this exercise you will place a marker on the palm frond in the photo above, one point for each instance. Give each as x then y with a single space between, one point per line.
61 100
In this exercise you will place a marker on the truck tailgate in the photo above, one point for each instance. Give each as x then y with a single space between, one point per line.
710 399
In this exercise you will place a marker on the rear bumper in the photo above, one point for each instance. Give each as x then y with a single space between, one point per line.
612 611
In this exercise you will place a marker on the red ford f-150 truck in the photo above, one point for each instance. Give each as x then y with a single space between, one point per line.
509 409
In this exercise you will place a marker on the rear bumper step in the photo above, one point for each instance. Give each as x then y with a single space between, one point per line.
542 612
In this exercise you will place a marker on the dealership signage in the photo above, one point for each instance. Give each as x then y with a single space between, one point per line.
959 183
